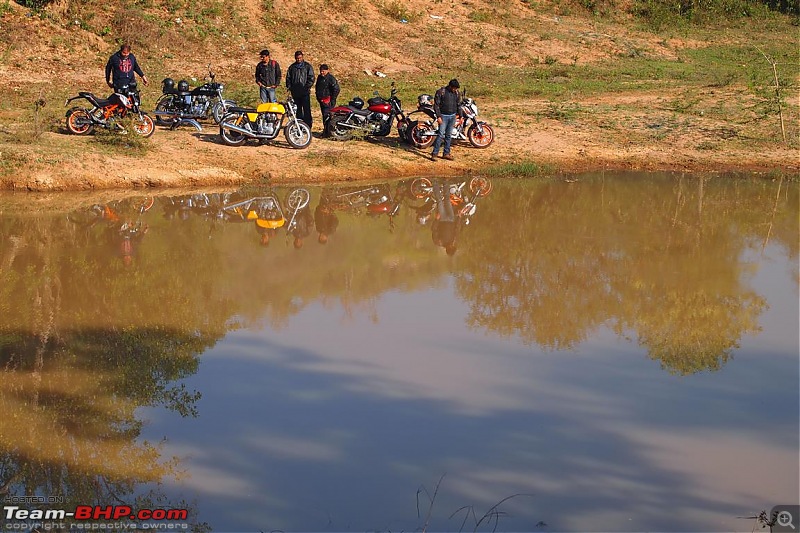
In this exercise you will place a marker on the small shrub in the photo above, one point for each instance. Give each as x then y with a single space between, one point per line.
480 16
397 11
126 140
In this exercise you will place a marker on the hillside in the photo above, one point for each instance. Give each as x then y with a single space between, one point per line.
567 87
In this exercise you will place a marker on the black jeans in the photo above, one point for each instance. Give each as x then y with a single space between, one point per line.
303 101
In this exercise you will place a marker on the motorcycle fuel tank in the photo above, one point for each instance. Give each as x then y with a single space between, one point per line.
384 108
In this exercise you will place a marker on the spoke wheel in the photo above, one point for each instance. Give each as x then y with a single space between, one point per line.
231 137
297 134
298 199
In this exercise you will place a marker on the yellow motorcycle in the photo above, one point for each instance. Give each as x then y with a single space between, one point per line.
264 123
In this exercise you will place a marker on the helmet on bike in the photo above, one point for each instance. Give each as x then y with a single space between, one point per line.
425 99
167 84
183 86
357 102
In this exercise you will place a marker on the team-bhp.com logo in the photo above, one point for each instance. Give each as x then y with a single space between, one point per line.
83 514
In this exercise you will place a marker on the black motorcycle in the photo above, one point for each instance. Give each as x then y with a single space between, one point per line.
375 121
180 102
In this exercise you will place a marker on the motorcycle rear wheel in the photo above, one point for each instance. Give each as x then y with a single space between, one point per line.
297 134
416 135
143 125
480 139
164 105
230 137
79 122
337 132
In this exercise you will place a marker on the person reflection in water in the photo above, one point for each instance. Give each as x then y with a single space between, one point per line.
125 236
265 234
303 222
325 219
444 227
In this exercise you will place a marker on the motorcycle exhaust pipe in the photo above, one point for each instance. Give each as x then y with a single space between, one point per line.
243 131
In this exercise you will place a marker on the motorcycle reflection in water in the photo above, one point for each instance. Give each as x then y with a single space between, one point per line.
373 200
123 228
266 210
443 205
449 206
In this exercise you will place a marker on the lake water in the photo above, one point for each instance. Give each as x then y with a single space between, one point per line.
593 353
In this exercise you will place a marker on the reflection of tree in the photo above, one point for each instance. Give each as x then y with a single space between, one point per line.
553 262
68 394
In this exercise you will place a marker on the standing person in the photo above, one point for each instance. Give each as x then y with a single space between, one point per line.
445 105
268 77
326 91
299 80
122 67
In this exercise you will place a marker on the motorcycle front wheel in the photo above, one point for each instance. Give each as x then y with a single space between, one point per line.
220 108
231 137
298 134
298 199
480 186
143 125
480 139
417 134
337 131
421 187
79 122
165 105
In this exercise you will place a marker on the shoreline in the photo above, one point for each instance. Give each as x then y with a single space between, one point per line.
186 158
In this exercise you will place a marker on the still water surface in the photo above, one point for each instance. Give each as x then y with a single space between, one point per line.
604 353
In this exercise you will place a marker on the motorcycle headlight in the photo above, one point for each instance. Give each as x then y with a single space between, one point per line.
221 86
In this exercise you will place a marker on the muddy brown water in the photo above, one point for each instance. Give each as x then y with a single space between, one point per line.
604 352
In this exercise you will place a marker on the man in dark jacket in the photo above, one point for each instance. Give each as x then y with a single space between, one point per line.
268 77
326 91
445 105
299 80
122 67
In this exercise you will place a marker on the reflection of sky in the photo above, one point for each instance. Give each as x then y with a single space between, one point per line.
334 423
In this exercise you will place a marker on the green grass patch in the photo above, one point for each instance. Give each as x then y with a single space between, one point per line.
518 169
123 141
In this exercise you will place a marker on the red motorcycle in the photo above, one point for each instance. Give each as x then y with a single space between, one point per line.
375 121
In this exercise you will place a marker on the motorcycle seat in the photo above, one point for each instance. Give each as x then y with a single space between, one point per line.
99 102
242 110
362 112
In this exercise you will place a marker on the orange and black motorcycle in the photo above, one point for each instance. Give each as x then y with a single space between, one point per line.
108 113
